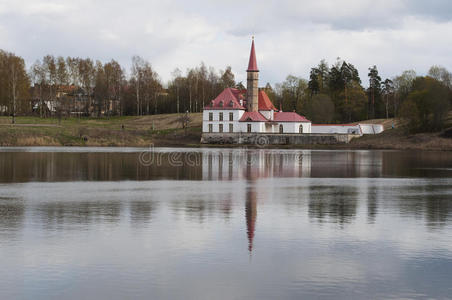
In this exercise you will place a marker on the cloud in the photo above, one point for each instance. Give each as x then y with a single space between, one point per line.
291 36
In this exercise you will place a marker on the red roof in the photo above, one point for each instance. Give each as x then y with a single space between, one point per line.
227 99
252 65
288 117
253 116
264 102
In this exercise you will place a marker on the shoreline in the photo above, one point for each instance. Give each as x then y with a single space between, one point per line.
164 131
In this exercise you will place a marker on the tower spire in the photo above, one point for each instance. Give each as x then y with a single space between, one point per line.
252 64
252 89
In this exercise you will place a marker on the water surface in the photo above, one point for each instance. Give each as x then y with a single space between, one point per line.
120 223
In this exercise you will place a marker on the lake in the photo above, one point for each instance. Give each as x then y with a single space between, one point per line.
163 223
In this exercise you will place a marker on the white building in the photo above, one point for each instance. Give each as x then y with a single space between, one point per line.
250 110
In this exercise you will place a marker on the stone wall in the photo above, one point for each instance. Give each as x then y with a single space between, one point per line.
275 138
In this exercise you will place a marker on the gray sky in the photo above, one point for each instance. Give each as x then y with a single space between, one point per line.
291 36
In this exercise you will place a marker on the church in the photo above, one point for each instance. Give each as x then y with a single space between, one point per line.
250 110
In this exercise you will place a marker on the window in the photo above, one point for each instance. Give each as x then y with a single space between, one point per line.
220 128
210 128
210 116
231 116
300 129
221 103
221 116
281 129
248 127
231 127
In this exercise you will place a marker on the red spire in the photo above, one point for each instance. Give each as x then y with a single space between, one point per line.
252 65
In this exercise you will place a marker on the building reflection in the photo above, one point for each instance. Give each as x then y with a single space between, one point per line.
249 164
251 215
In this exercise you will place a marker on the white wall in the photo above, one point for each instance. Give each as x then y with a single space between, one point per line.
371 128
255 126
360 128
335 129
216 119
293 127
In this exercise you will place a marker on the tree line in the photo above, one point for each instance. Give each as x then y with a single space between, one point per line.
58 86
335 94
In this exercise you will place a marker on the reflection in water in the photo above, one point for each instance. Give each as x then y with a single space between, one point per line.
141 211
255 164
338 204
56 214
11 217
328 224
251 214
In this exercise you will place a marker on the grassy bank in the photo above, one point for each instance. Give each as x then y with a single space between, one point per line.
164 130
160 130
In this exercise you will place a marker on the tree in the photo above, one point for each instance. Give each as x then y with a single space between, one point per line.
50 68
227 78
441 74
343 77
323 72
86 72
101 88
177 84
388 93
73 70
115 79
313 84
427 105
15 85
402 87
38 76
62 77
374 90
293 90
321 109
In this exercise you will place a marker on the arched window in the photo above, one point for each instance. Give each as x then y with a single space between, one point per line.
300 129
281 129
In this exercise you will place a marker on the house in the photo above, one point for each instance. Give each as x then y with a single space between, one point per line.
250 110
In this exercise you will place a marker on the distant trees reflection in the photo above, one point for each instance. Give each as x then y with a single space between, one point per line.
113 188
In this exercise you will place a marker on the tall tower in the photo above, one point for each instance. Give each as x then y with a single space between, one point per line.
252 89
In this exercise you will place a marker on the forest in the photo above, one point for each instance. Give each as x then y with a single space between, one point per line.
333 93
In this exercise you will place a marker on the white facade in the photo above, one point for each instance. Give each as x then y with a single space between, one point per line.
211 123
294 127
255 126
215 115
